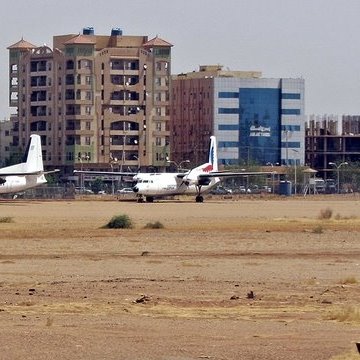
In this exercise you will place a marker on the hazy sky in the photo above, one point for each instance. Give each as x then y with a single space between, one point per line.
314 39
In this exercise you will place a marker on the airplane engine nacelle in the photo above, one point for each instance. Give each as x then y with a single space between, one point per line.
204 181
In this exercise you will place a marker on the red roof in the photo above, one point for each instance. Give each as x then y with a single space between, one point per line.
80 39
22 44
157 42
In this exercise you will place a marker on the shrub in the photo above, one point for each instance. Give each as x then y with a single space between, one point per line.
325 214
155 225
120 222
6 219
318 230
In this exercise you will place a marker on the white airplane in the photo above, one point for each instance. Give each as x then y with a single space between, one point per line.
26 175
196 181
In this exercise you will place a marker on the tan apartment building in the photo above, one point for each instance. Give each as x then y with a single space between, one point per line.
98 101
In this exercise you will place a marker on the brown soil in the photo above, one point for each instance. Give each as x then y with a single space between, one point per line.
226 279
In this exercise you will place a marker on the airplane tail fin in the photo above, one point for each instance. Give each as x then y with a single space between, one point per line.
213 159
33 156
212 164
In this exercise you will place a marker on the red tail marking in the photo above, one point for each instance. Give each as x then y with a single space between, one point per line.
207 168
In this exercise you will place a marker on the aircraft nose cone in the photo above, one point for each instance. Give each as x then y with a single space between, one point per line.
135 189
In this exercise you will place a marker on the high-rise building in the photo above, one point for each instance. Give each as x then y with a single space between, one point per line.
96 100
255 119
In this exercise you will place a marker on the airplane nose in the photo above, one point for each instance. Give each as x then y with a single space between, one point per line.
135 189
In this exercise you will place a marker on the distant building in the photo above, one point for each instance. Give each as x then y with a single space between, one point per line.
255 119
5 141
97 100
331 140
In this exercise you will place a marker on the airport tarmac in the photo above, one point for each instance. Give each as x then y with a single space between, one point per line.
236 278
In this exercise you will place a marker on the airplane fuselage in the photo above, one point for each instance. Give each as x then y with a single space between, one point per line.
168 184
14 184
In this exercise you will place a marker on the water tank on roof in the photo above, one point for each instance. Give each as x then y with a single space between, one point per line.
88 31
116 32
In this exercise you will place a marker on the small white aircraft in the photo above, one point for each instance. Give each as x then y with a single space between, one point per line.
196 181
26 175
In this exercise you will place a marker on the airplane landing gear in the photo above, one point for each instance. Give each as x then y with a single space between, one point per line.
149 199
199 199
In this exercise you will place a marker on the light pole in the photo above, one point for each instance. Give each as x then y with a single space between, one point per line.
338 173
178 165
112 162
272 175
295 178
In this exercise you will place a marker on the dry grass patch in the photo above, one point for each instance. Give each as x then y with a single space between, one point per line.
349 280
154 225
353 355
347 314
325 214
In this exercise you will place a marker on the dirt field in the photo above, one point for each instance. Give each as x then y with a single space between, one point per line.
226 279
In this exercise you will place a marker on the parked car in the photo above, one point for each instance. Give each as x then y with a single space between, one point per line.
125 191
330 186
220 191
79 190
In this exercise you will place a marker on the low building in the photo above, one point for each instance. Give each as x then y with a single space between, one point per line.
330 141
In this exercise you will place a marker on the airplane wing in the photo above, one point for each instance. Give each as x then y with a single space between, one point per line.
21 173
51 171
112 173
233 174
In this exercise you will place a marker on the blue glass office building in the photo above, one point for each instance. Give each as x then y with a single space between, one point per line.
259 120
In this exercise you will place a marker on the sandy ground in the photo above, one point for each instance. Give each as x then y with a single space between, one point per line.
226 279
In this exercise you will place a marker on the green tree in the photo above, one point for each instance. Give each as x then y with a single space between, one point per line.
97 185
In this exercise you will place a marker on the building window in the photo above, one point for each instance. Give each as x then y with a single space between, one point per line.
226 127
290 111
290 127
291 96
228 111
69 65
290 144
228 95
